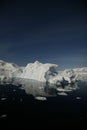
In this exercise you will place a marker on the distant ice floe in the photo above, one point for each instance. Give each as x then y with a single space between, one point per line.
78 98
14 90
21 100
62 93
41 98
63 90
3 99
3 116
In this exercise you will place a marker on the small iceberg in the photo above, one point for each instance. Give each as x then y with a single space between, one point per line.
2 99
62 93
78 98
3 116
41 98
63 90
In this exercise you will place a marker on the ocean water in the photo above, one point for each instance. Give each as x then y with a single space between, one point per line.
20 110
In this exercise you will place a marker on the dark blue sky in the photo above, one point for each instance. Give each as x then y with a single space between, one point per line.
47 31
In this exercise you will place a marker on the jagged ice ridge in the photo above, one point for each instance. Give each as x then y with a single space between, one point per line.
40 72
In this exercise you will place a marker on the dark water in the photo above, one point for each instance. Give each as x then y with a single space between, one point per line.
19 110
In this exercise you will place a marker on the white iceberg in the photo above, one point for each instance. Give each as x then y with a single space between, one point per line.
40 72
38 79
82 73
48 73
3 98
60 89
41 98
3 116
8 71
62 93
78 98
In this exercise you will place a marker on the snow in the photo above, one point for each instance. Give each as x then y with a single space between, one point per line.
8 70
54 80
83 69
64 77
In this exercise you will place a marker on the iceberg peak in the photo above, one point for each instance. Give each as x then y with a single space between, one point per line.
36 62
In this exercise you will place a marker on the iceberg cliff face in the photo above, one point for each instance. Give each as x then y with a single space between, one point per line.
39 71
48 73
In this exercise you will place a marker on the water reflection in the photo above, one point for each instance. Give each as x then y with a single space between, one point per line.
39 89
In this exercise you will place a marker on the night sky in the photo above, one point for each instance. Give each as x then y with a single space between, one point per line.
47 31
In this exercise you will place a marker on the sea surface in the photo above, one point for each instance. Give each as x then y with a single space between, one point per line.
20 109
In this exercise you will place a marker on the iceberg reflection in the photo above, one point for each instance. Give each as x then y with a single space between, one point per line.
39 89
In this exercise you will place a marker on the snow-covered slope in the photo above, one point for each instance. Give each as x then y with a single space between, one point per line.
8 70
82 73
82 70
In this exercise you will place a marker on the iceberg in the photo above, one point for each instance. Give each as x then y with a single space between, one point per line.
46 72
8 71
78 98
40 72
39 79
3 99
82 73
62 94
64 77
41 98
3 116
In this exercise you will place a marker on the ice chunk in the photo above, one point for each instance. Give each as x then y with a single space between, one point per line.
63 90
78 98
62 93
3 98
83 69
41 98
3 116
8 70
